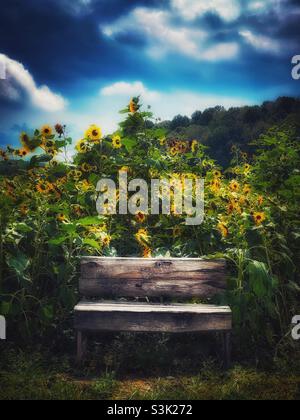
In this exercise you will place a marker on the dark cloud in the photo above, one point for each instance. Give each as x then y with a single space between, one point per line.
61 44
55 44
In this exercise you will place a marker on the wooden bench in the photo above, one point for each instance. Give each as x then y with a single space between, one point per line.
111 278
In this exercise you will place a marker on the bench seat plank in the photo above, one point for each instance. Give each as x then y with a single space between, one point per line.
145 317
150 277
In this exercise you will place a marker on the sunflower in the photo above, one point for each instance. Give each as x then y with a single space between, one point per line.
61 217
59 129
147 252
177 231
243 201
85 167
116 142
82 146
182 147
23 152
215 185
3 155
140 217
106 240
142 236
43 187
223 229
234 206
217 174
76 175
24 209
247 168
78 210
51 151
61 181
46 131
234 148
234 186
97 230
25 141
162 141
247 189
259 218
133 107
94 134
260 200
194 146
48 144
84 186
174 151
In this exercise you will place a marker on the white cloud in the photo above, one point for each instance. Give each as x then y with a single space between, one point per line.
129 90
260 42
228 10
222 51
165 37
19 80
155 25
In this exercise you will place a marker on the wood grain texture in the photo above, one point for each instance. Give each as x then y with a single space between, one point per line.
136 277
132 317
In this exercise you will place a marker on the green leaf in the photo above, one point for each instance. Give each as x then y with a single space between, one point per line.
48 312
23 228
18 263
5 308
261 282
69 228
58 241
92 243
89 221
129 143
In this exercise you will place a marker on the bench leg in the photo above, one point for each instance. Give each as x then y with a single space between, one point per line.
81 346
227 349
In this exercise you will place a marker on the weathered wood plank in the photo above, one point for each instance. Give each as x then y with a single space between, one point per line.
135 277
152 318
113 306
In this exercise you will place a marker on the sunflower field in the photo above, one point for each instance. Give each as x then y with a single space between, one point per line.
48 219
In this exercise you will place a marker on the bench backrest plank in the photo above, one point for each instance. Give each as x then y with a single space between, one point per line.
136 277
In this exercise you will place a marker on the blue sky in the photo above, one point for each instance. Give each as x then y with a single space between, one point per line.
79 61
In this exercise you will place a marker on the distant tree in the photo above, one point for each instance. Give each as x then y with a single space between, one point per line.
220 129
252 114
197 118
180 121
149 124
207 116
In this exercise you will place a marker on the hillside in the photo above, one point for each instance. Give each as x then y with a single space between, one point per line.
219 128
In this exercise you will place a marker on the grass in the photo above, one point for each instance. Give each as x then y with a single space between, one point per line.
38 376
